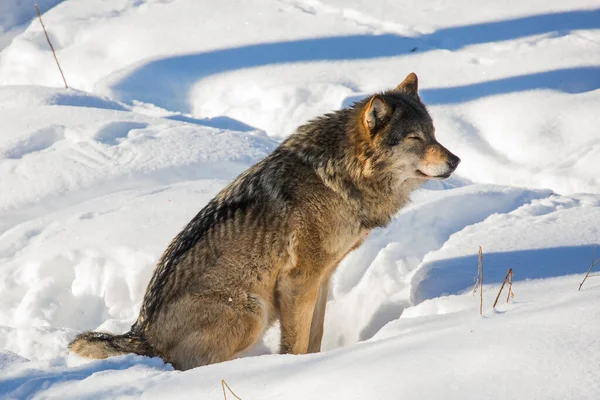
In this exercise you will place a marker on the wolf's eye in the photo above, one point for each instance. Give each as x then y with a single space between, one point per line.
413 136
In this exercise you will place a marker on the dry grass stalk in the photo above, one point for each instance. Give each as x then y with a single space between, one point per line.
51 47
476 279
479 280
223 384
480 268
594 262
511 294
508 274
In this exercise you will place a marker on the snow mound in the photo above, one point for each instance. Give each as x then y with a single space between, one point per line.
35 96
18 12
557 238
527 123
390 256
72 270
428 356
59 155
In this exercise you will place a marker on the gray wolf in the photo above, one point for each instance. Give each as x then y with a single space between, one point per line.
265 248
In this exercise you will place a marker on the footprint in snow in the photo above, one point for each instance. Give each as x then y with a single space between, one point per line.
37 141
113 133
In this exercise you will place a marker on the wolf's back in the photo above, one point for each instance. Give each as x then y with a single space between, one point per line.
103 345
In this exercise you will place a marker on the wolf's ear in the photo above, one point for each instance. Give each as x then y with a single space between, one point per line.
410 85
376 112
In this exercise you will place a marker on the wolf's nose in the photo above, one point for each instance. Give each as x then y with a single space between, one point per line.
453 161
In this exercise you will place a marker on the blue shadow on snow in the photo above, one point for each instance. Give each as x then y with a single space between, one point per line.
173 77
567 80
28 382
560 23
454 275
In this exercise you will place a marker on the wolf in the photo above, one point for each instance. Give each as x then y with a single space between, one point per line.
265 248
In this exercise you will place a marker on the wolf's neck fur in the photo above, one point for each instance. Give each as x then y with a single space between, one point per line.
340 154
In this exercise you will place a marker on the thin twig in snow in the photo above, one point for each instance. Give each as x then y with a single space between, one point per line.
223 384
50 43
479 280
502 287
594 262
480 268
476 279
510 291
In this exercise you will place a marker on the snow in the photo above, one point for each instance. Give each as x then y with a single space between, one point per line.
540 346
16 14
170 100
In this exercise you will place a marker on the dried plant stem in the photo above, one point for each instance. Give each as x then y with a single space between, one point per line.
51 47
476 279
509 273
510 291
480 269
223 384
594 262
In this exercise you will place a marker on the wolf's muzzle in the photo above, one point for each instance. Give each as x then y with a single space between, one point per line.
452 161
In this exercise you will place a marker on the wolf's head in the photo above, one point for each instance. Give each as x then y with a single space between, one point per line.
401 134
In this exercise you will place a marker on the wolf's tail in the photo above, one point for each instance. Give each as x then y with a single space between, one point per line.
102 345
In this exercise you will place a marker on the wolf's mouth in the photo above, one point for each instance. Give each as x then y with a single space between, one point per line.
424 175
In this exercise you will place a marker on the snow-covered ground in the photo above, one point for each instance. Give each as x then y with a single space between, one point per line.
171 99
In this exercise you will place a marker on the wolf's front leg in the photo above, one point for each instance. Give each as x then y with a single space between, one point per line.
318 319
297 294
